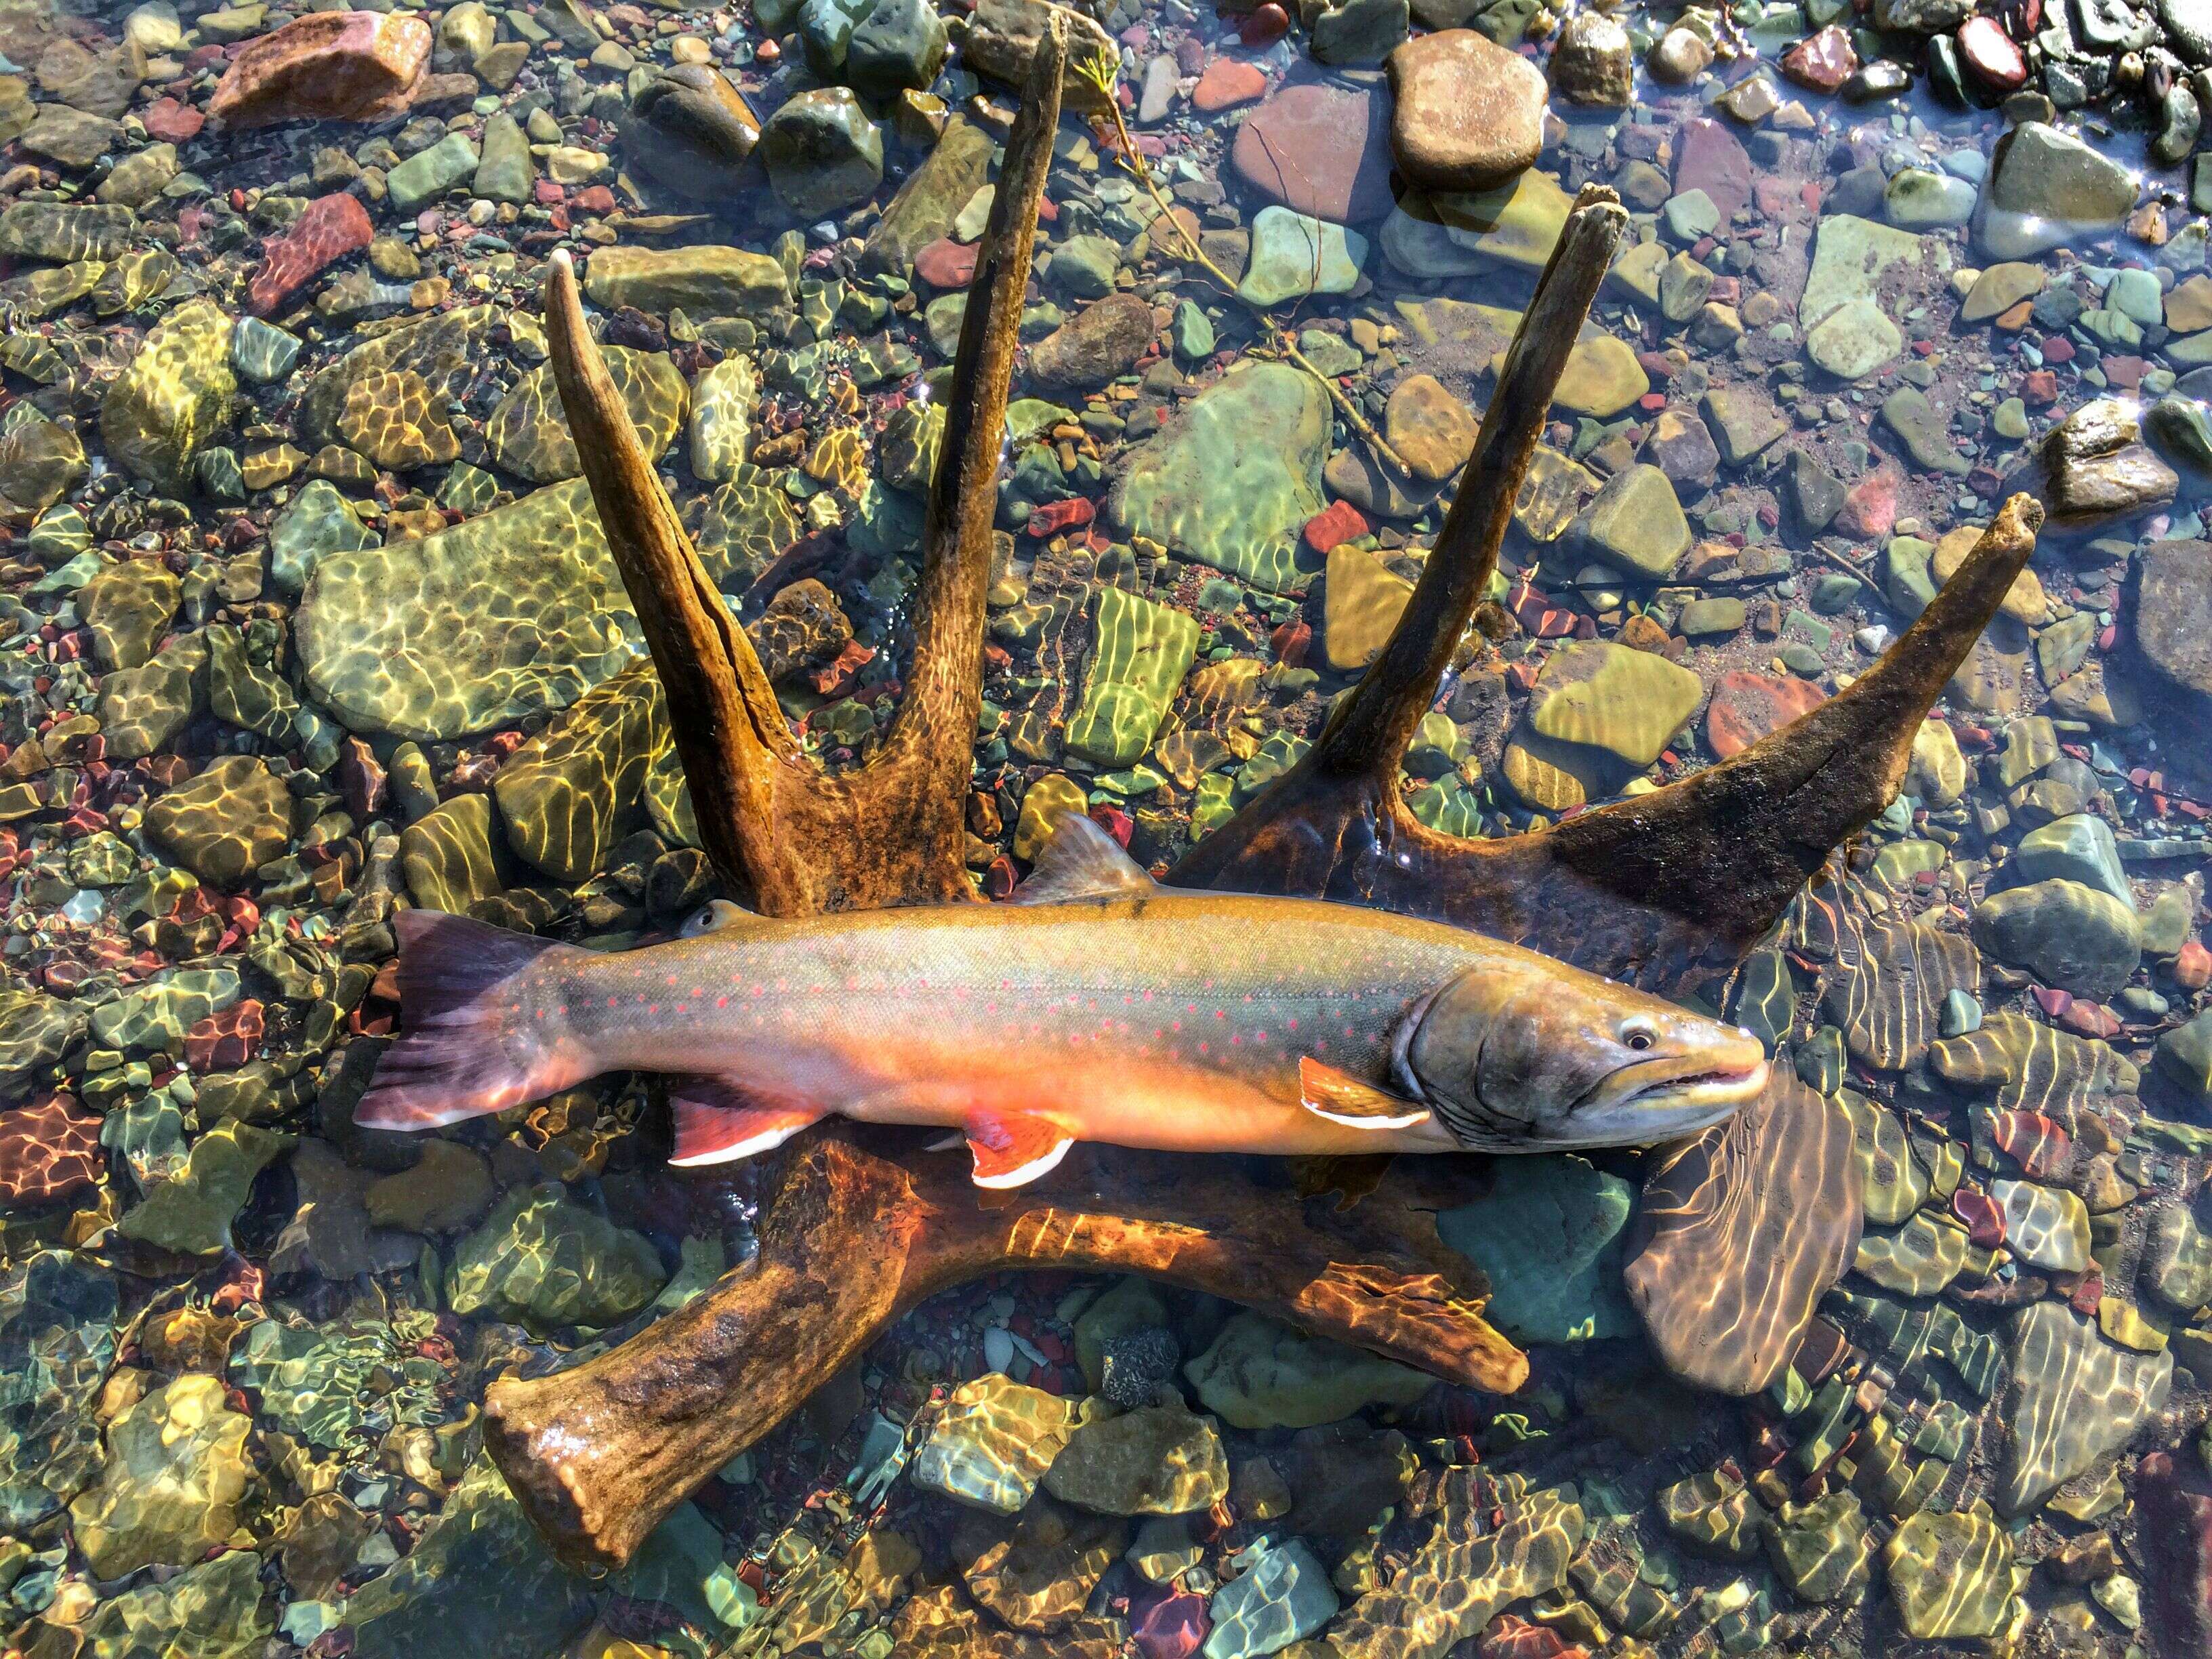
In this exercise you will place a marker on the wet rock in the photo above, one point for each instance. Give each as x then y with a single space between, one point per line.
191 1212
1280 1595
993 1443
1003 35
899 44
1155 1459
318 522
1467 115
2072 1397
1746 707
546 1262
1593 63
1635 524
50 1153
567 795
528 432
1950 1574
128 607
57 1341
2047 189
447 858
2074 937
76 140
517 611
173 399
177 1470
1358 32
1321 149
1548 1234
1038 1574
326 66
1361 602
1294 256
723 403
156 1015
693 132
928 205
331 229
428 174
215 1610
1889 1002
1821 1549
505 170
702 281
2174 614
40 462
1140 653
1920 1259
1260 1373
822 152
1431 430
1600 714
1099 344
61 232
2096 470
2177 1265
1472 1567
1234 479
2184 1058
225 821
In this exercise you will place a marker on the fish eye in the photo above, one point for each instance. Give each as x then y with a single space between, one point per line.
1638 1037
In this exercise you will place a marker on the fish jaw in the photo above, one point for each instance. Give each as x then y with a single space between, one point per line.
1667 1097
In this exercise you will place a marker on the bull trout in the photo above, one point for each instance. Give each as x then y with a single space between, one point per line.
1097 1006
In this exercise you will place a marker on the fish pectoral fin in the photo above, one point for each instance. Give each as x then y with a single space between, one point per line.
720 1118
1012 1148
1343 1098
1082 861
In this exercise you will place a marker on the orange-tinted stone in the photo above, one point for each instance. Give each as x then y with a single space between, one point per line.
1225 84
1746 707
49 1152
326 66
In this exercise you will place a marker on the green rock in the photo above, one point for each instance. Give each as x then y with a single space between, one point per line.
2177 1265
701 280
1743 421
2077 938
1191 333
173 399
142 709
1294 256
528 432
825 31
59 233
1635 524
1853 340
1690 215
212 1611
428 174
1714 1513
2184 1057
2047 189
433 360
1600 713
1549 1235
2044 1226
1891 1183
225 821
1261 1374
543 1261
262 352
1919 1259
2079 848
447 858
1084 266
722 404
41 460
1706 618
1951 1574
906 450
1234 479
514 613
822 152
900 46
1850 257
57 1339
320 521
1920 198
1283 1593
1821 1549
1141 651
192 1213
2071 1398
1359 32
505 171
741 527
566 795
1924 433
1515 224
128 607
993 1442
1155 1459
929 202
157 1013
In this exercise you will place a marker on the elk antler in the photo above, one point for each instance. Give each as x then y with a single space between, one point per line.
600 1454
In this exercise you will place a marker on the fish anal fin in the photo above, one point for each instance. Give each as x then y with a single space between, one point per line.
1082 861
1343 1098
1011 1147
719 1118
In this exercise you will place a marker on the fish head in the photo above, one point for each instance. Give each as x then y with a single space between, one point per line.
1527 1057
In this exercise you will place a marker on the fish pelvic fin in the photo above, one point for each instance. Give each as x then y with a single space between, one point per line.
480 1028
720 1119
1082 861
1343 1098
1014 1148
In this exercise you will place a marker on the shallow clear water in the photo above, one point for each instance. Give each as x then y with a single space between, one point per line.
309 619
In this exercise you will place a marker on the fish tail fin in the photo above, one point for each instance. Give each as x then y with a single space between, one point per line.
477 1034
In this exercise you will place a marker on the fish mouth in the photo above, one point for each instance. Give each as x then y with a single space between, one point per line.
1667 1098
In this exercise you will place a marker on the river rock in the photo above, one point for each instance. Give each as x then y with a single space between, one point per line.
1635 524
2077 938
2174 614
1099 344
1600 713
174 398
1321 149
993 1442
1548 1234
2072 1397
1260 1374
823 153
2047 189
1294 256
692 130
1593 62
176 1476
1432 431
547 1263
1141 652
1156 1459
703 280
1950 1574
528 432
1466 114
1233 480
128 607
928 205
225 821
427 174
900 45
325 66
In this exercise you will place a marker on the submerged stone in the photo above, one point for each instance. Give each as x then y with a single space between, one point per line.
547 1263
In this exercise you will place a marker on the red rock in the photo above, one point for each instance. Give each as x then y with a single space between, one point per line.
2052 1000
1709 157
1984 1219
225 1041
1746 707
171 122
2174 1502
2192 967
1227 82
1320 147
593 198
947 264
1337 523
1990 55
2034 1141
332 228
2088 1294
1510 1638
2058 349
1822 62
2090 1019
1055 516
326 66
2040 386
1173 1627
1871 508
49 1152
1291 641
1264 25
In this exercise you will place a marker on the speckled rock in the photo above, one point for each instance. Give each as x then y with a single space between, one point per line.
1156 1459
528 432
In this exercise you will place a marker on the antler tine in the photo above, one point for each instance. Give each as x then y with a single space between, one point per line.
728 730
946 684
1375 722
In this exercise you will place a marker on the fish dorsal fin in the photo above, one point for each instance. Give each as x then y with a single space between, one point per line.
1082 861
1343 1098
